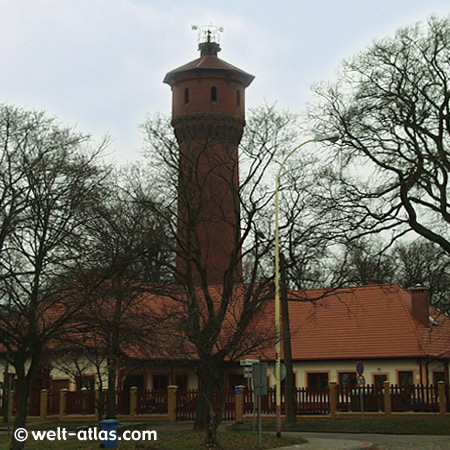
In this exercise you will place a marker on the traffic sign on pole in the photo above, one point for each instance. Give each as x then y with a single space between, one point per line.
283 372
248 362
359 368
260 378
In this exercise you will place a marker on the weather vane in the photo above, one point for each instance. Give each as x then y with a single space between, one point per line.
207 33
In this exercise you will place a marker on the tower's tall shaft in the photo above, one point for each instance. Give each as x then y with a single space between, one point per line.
208 118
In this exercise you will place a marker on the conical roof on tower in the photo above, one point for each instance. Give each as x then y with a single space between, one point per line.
208 61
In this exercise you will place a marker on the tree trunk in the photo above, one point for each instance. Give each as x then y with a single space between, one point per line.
20 417
289 384
205 398
215 419
100 402
113 359
111 393
100 405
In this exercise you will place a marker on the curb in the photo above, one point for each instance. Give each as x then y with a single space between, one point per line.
362 446
315 443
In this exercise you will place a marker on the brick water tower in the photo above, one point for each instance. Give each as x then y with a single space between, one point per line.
208 115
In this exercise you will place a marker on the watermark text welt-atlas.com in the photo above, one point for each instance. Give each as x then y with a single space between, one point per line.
85 434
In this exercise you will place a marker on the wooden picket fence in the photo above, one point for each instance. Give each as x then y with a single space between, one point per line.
187 401
419 398
307 401
151 402
84 402
133 403
349 398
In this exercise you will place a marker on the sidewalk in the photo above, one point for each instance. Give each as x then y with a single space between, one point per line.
321 443
315 443
330 444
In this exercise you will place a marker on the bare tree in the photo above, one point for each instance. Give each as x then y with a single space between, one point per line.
307 250
365 261
85 354
128 245
422 263
308 240
220 321
48 185
408 263
390 106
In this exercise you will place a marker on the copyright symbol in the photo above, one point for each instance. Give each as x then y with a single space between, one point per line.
21 434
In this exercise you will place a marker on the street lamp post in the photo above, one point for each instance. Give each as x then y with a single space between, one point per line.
277 281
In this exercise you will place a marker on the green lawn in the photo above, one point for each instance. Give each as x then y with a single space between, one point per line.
410 424
167 440
187 439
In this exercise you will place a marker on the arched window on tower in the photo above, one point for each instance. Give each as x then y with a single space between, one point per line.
238 97
186 96
213 94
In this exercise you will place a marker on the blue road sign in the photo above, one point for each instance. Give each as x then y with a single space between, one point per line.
359 368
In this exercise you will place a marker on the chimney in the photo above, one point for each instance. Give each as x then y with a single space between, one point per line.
419 304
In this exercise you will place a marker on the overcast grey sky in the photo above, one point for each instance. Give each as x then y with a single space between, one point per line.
99 64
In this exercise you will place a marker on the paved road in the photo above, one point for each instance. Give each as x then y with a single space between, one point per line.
390 441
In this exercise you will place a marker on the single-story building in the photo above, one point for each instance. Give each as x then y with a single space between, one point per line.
394 332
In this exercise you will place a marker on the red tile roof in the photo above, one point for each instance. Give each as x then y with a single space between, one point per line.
363 322
208 62
372 321
169 340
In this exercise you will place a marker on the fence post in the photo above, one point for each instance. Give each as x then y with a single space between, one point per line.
239 403
441 393
62 403
387 398
84 402
333 399
43 405
172 402
133 401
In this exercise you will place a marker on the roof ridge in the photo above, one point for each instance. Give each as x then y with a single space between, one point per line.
349 287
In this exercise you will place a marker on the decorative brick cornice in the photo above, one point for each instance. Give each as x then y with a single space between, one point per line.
218 126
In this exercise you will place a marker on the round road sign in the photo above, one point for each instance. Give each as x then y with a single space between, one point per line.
283 372
359 368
